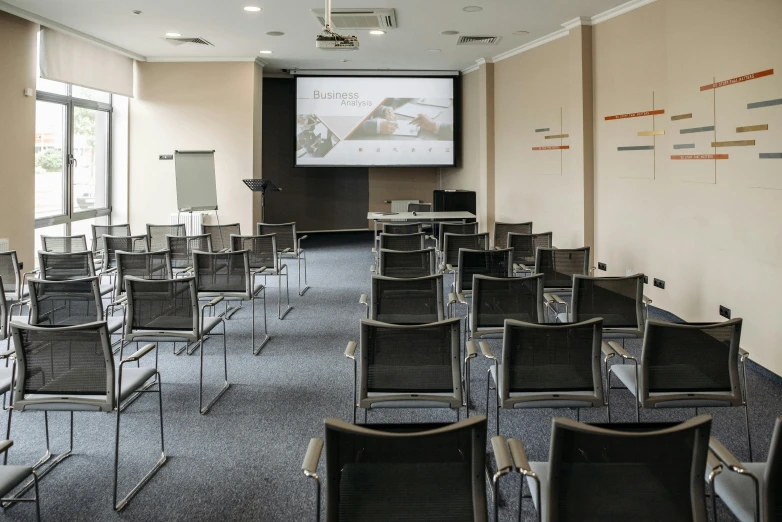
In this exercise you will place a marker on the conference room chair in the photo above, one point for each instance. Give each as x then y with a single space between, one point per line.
558 266
7 362
492 263
167 311
13 476
227 276
407 366
113 244
452 243
617 472
221 235
15 289
405 301
265 261
545 366
501 231
144 265
750 490
405 472
405 265
64 244
288 246
71 368
182 248
451 228
421 207
401 242
156 235
98 231
524 247
67 266
689 365
402 228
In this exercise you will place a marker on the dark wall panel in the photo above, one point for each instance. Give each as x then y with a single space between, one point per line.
315 198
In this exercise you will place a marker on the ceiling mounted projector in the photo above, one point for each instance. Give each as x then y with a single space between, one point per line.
328 40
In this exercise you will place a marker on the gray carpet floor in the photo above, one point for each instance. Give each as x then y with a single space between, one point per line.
242 460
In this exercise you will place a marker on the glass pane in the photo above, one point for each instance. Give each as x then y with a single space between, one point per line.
49 159
84 226
90 94
54 230
90 148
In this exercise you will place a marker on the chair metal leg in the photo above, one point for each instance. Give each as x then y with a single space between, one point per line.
37 498
299 258
266 337
749 438
288 308
205 409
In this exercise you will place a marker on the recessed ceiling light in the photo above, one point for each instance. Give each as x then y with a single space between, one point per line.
377 31
449 33
173 35
472 8
252 8
520 33
266 52
433 50
275 33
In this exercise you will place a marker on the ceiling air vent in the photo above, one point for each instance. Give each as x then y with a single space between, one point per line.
478 40
182 40
358 18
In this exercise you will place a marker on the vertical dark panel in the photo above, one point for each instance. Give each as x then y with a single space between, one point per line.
315 198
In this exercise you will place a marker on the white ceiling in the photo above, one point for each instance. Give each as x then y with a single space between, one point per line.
237 34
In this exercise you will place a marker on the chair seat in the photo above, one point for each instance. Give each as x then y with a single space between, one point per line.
114 324
406 491
292 253
407 403
10 297
106 289
133 379
738 491
541 470
12 476
544 399
626 374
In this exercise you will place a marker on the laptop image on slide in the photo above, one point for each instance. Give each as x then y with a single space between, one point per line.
437 102
407 129
412 110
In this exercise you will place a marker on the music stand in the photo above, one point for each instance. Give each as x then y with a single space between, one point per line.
262 185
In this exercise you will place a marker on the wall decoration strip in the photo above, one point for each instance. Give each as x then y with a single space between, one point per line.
700 157
636 147
556 136
652 133
752 128
684 146
681 117
635 114
740 79
554 147
542 130
767 103
771 155
739 143
697 129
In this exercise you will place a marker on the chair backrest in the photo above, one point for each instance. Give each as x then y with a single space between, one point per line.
156 235
162 305
556 359
419 207
223 273
454 228
286 234
98 231
558 266
407 301
525 245
617 300
221 235
403 242
143 265
496 299
452 243
501 231
10 275
772 501
182 248
685 360
69 365
402 228
113 244
432 472
63 266
415 263
494 263
3 314
65 303
261 249
665 467
410 360
64 243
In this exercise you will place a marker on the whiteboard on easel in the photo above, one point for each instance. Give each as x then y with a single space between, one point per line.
196 188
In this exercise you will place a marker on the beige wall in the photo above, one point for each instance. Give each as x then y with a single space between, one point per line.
257 139
17 135
388 183
191 106
465 176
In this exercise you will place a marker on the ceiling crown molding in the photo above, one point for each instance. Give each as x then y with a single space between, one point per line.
620 10
576 22
260 62
203 59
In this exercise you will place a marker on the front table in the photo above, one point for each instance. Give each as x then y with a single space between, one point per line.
433 217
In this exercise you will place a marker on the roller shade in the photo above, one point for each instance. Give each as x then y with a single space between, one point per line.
68 59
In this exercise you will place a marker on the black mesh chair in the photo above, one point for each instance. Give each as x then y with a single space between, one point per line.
558 267
13 476
8 369
421 207
691 365
288 246
98 231
68 266
408 472
501 231
407 366
227 275
64 244
750 490
405 301
265 261
452 243
402 242
406 265
452 228
15 290
495 299
221 235
114 244
144 265
402 228
524 247
546 366
71 368
492 263
156 235
182 248
658 471
166 311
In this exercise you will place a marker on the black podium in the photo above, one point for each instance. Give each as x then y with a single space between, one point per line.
262 186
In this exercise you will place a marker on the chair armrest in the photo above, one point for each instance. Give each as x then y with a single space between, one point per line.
214 301
555 298
310 464
372 268
461 299
486 350
441 267
120 301
647 300
607 350
139 354
521 267
452 298
725 456
501 455
350 350
9 353
449 267
743 354
520 457
285 251
4 445
363 300
374 250
303 237
616 347
713 464
472 349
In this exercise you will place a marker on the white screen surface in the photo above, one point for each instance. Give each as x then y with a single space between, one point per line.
359 121
196 188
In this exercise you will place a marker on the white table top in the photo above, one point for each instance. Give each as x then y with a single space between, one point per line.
379 216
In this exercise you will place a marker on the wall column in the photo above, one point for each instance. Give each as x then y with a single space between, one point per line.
485 192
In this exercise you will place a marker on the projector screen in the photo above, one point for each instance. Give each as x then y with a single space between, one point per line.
370 121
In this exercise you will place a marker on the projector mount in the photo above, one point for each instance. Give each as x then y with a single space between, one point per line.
330 40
